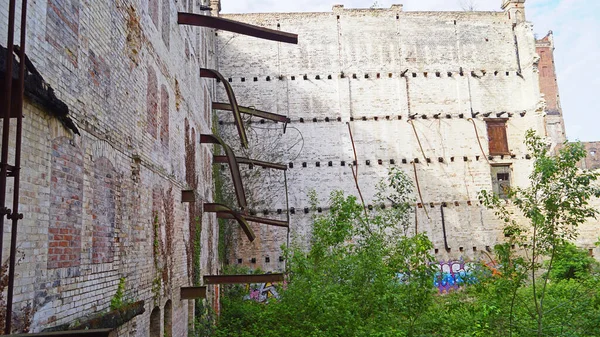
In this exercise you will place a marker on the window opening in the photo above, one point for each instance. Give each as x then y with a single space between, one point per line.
501 180
498 143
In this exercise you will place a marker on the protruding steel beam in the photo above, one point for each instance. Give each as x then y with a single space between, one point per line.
243 160
237 279
188 196
233 167
191 293
210 73
235 27
220 208
270 222
253 112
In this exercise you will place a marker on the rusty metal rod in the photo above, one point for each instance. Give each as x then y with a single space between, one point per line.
220 208
444 228
271 222
235 27
233 168
253 112
419 189
478 140
15 216
210 73
8 78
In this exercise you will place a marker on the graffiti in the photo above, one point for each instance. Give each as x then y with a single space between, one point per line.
454 274
261 292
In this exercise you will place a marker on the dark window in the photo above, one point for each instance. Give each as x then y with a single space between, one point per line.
498 143
501 180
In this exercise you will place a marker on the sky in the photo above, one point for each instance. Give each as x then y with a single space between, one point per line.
575 23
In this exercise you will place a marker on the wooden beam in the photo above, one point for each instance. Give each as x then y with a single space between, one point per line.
233 279
190 293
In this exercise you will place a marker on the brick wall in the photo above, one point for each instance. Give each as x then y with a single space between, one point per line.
121 68
374 69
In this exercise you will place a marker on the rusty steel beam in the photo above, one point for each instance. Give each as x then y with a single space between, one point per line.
210 73
237 279
271 222
191 293
235 27
188 196
253 112
244 160
220 208
233 168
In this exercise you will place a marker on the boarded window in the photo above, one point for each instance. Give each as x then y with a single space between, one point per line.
501 180
496 129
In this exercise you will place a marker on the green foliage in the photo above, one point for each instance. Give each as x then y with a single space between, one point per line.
117 301
551 209
363 276
368 274
571 262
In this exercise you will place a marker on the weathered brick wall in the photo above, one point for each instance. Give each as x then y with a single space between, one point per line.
374 69
555 125
129 75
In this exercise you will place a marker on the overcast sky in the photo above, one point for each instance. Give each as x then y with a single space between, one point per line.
575 23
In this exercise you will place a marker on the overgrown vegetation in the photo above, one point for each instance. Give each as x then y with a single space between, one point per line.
368 274
117 301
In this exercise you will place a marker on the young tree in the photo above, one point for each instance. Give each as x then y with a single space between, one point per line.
548 213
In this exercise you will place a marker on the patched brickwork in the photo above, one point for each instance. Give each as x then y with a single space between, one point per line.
88 199
99 71
153 10
152 103
164 115
63 27
166 22
66 194
104 184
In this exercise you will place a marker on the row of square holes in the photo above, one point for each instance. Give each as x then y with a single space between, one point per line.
436 251
376 118
306 210
253 260
405 161
378 75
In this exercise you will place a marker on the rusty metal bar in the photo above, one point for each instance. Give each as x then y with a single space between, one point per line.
220 208
13 99
236 279
74 333
8 78
235 27
191 293
188 196
444 228
253 112
271 222
233 167
210 73
244 160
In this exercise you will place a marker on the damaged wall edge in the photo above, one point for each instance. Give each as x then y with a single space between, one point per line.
37 90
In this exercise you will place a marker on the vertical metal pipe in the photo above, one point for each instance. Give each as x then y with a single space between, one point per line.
15 216
6 124
444 228
287 205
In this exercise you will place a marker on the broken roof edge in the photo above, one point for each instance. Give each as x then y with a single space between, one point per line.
337 9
